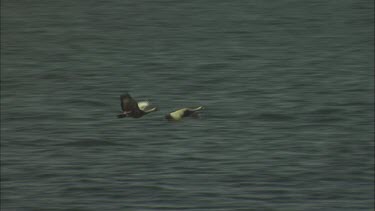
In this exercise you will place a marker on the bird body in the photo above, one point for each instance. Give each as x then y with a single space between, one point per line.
183 112
132 108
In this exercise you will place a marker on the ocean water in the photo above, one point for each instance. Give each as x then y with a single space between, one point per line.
288 88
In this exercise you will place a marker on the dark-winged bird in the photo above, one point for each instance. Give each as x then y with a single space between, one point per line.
132 108
183 112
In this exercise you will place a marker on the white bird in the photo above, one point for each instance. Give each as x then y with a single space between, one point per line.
183 112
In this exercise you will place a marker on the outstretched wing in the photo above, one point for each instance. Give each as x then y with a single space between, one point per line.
146 107
128 104
143 105
192 111
196 109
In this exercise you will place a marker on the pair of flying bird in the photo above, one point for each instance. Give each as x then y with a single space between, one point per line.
132 108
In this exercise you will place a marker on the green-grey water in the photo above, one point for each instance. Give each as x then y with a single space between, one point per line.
288 88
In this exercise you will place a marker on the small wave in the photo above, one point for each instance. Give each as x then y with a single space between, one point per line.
326 115
328 111
88 143
274 117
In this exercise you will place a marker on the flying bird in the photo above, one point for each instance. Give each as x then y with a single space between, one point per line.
132 108
183 112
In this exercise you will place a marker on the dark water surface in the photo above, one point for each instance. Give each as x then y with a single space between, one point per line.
288 88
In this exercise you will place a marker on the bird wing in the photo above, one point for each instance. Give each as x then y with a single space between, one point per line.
146 107
128 104
143 105
196 109
177 115
192 111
